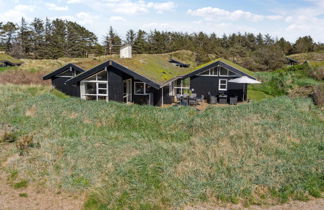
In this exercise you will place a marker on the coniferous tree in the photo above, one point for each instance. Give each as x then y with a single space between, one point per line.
140 43
304 44
284 45
24 37
38 38
9 31
112 42
130 37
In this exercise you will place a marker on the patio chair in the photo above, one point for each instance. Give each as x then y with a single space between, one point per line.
192 100
193 95
201 99
213 100
233 100
222 99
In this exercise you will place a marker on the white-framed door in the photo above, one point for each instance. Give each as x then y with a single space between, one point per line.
128 90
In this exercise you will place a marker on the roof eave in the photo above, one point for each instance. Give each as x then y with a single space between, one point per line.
62 69
204 68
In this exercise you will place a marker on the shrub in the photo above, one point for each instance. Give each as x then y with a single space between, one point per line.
23 195
8 136
319 95
318 73
316 70
24 143
21 184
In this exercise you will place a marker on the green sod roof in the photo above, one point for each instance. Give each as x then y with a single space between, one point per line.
5 57
156 67
230 63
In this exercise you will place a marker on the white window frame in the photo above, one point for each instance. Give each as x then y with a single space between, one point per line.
182 88
97 82
209 72
171 89
129 95
70 69
140 94
219 85
223 75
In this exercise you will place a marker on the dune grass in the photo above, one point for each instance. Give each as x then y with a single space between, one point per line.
142 157
282 81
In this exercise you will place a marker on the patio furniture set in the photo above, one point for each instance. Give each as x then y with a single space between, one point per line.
193 100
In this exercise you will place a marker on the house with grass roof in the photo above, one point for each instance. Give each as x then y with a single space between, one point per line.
156 79
7 61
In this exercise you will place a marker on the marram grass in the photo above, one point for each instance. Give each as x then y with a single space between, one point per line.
142 157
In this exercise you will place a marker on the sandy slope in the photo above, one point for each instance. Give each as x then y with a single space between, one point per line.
36 199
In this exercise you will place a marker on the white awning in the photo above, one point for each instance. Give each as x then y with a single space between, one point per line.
244 80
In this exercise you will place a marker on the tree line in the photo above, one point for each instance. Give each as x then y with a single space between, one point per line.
61 38
46 39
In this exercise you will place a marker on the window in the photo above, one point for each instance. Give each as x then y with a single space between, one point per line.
206 73
171 89
213 72
148 89
210 72
90 88
181 86
231 73
95 87
101 76
139 88
223 72
222 84
68 73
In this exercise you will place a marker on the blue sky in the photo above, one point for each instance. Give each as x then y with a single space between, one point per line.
285 18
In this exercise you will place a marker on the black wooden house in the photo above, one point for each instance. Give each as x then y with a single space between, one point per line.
149 79
61 75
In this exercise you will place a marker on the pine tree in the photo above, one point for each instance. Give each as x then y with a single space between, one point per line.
57 42
24 37
9 31
140 43
112 42
38 38
130 37
304 44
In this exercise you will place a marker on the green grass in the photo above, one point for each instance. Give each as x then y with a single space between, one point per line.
5 57
21 184
7 68
256 95
281 81
142 157
312 56
23 195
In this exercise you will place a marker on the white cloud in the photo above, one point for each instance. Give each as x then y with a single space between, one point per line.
82 18
73 1
136 7
162 7
86 18
117 19
217 14
17 13
54 7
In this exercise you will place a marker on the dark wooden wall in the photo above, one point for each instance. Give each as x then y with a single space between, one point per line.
204 84
58 83
158 96
116 85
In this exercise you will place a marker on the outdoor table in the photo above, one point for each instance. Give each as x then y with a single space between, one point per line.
222 99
